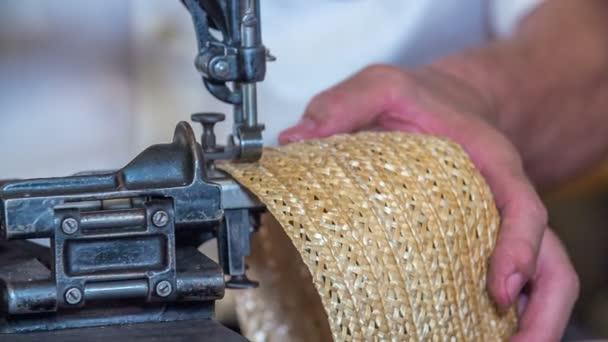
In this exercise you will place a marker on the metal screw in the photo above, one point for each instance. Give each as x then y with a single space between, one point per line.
164 288
221 68
160 218
69 225
270 57
73 296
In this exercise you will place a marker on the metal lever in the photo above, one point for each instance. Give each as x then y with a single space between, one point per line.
234 243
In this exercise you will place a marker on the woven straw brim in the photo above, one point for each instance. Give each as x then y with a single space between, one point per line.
383 236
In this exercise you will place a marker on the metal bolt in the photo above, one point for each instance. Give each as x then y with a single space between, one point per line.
160 218
69 225
164 288
73 296
221 68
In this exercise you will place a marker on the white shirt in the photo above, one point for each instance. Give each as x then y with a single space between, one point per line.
319 42
104 88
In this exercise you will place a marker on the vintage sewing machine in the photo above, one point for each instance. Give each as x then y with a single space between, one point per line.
123 244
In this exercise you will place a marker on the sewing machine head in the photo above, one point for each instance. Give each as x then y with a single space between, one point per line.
124 243
238 58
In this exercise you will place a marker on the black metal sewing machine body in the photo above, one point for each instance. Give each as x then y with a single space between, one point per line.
126 235
123 244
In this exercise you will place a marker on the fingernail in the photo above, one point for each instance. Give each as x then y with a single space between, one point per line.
297 132
522 303
294 138
515 283
290 136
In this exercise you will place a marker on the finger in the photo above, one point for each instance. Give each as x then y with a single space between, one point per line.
513 261
554 291
349 106
524 220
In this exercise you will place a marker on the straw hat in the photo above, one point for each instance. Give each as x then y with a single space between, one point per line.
382 236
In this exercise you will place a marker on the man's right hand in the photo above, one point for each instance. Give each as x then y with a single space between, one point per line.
433 102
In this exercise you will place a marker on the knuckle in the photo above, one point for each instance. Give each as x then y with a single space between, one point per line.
386 75
524 256
572 281
332 104
533 207
315 104
538 211
379 70
390 81
326 107
324 104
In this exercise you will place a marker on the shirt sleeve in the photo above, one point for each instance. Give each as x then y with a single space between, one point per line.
505 15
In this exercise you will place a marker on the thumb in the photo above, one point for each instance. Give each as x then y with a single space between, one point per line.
349 106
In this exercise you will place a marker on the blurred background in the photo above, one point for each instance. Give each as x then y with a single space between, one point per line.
77 78
87 85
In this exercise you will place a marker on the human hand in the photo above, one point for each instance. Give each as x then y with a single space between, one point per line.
431 101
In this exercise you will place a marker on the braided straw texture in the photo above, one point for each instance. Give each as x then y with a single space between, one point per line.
394 230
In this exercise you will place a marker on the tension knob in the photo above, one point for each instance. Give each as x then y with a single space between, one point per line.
208 120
